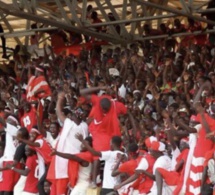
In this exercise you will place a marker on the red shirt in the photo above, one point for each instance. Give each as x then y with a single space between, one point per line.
183 156
32 177
44 150
130 166
29 119
104 126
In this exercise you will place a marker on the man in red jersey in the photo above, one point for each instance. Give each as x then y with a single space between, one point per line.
104 122
29 119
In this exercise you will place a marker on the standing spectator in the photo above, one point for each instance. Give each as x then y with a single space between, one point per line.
104 122
67 143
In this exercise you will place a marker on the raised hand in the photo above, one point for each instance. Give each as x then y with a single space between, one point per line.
61 95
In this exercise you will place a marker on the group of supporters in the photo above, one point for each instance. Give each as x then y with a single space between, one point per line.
127 123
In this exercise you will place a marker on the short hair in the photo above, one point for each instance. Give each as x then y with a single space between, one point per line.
56 124
133 147
116 140
24 132
174 105
105 103
94 15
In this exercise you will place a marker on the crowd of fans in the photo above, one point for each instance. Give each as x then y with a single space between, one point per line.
131 124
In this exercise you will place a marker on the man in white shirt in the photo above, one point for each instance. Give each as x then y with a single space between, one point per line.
110 157
8 176
163 161
67 143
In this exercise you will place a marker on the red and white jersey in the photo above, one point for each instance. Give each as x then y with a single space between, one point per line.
44 150
43 155
32 177
29 119
145 183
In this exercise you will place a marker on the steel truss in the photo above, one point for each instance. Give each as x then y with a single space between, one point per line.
130 15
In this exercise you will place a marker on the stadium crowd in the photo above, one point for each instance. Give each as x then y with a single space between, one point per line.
131 124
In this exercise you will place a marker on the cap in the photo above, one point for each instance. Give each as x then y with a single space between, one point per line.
158 146
136 91
149 141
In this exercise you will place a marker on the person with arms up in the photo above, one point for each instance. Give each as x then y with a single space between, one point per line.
67 143
104 122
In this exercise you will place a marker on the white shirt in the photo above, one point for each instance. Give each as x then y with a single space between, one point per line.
143 165
110 158
175 154
11 143
162 162
84 175
68 144
51 140
71 144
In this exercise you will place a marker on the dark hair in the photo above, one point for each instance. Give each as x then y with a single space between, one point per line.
174 105
2 144
35 127
117 141
90 140
34 26
133 147
105 103
94 15
56 124
24 132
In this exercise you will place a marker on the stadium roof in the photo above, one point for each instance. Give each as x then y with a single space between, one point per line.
18 15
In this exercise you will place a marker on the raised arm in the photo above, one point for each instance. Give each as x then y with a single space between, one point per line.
199 93
39 122
87 91
59 111
170 134
184 126
88 147
28 142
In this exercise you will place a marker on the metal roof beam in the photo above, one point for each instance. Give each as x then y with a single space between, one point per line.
123 30
10 28
132 20
138 38
175 11
62 25
104 14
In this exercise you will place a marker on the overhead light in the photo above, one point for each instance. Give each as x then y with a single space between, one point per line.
18 34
